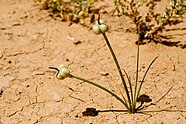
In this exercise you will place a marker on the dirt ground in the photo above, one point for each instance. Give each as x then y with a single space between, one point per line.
31 41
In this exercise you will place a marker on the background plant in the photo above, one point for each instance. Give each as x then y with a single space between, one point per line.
72 10
152 22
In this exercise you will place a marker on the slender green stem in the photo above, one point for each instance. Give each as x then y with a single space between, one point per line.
103 88
131 91
137 66
118 67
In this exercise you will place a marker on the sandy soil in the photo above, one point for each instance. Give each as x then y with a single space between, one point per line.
31 41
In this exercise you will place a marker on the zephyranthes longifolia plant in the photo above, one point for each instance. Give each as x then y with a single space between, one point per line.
130 100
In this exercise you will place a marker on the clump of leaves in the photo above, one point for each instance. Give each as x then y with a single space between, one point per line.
152 22
72 10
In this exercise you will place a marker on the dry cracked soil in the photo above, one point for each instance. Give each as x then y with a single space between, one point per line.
31 41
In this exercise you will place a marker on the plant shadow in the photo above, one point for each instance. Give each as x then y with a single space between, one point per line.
165 43
166 39
142 99
93 112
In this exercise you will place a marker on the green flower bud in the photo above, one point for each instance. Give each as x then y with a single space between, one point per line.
103 28
96 29
63 72
100 27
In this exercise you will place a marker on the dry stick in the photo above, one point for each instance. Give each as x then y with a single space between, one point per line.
158 99
118 88
164 95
